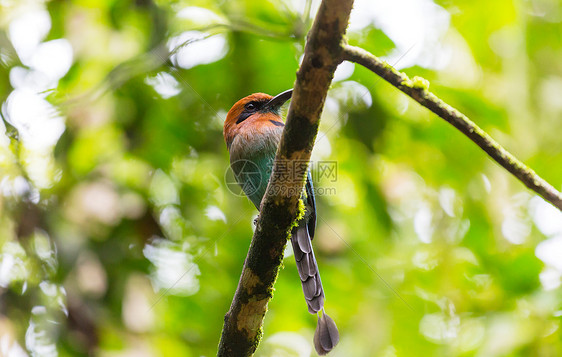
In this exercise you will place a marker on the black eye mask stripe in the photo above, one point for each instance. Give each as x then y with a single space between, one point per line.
245 115
248 112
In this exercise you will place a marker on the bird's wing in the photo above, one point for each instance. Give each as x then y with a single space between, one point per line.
310 206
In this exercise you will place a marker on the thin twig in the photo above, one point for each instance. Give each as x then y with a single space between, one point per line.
418 89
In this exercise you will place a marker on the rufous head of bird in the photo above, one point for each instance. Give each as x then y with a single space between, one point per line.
253 113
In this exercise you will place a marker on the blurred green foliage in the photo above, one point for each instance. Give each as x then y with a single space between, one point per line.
119 235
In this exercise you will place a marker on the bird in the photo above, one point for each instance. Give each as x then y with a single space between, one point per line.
252 132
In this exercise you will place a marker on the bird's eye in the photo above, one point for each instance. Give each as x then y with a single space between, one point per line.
251 106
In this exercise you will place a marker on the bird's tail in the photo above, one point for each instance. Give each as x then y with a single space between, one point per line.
326 336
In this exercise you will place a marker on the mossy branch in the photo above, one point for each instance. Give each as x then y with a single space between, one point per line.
242 329
418 89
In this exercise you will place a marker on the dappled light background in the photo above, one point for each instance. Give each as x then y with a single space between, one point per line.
121 236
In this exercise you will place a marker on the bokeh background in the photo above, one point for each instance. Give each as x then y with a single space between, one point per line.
119 235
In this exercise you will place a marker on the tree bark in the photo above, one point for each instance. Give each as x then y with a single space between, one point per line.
280 207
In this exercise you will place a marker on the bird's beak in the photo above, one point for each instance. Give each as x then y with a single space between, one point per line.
279 99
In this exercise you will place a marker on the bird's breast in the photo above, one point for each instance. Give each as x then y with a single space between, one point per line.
251 157
255 141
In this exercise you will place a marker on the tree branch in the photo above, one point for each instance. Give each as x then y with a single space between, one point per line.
279 209
418 89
